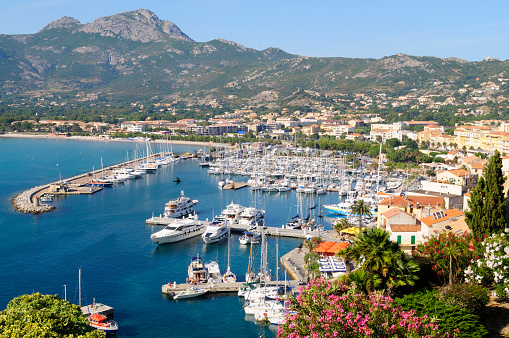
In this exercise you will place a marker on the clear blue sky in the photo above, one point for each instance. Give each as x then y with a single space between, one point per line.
465 29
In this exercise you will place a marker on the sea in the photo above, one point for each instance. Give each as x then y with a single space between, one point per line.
105 235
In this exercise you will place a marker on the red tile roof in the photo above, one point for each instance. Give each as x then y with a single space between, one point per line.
399 201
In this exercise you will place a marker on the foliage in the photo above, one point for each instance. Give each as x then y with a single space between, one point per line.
492 264
387 265
360 209
471 296
39 315
448 316
343 223
487 203
324 309
312 265
446 254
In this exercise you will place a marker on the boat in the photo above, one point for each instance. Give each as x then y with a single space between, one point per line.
229 277
178 207
190 293
216 231
232 213
179 230
250 237
101 322
46 198
196 272
213 272
97 320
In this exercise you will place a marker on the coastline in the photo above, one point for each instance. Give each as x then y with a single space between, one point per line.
92 138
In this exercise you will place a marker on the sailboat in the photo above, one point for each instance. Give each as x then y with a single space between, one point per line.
97 320
229 277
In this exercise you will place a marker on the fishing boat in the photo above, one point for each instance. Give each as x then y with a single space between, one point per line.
191 292
102 323
178 207
179 230
216 231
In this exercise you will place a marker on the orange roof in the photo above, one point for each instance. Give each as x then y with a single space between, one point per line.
448 214
399 201
336 247
392 212
323 246
405 227
459 172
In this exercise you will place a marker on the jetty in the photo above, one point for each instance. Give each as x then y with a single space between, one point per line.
169 288
103 309
29 201
270 231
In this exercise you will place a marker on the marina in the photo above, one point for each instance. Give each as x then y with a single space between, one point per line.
111 226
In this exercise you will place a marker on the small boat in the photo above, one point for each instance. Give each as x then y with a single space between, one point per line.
190 293
250 237
178 207
197 272
102 323
46 198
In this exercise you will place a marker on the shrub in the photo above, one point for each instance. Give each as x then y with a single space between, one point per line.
449 317
325 309
470 296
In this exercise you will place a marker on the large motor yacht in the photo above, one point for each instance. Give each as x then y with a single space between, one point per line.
179 230
178 207
216 231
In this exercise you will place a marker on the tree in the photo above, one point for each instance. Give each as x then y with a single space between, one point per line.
39 315
487 202
387 265
361 209
343 223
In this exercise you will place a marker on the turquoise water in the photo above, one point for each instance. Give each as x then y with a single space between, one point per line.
105 235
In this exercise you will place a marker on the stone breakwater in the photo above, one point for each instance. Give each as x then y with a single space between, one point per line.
23 202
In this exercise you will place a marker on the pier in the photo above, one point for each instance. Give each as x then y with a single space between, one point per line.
271 231
219 287
28 201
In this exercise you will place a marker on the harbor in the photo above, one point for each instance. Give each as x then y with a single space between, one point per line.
86 229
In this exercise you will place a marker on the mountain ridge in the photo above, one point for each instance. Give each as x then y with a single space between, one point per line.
138 54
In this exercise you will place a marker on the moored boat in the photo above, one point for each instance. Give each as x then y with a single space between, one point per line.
216 231
190 293
179 230
102 323
178 207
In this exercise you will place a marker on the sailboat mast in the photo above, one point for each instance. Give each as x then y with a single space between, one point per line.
79 287
378 173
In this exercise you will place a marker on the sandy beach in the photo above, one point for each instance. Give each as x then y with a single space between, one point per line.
102 139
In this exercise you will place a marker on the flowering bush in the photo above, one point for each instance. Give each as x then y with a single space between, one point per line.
446 254
325 309
492 265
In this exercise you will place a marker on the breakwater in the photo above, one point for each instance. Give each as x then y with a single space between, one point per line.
29 200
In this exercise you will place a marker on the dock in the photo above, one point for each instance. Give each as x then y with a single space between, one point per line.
235 186
219 287
97 308
270 231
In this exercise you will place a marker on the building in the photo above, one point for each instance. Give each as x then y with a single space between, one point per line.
404 228
414 205
439 221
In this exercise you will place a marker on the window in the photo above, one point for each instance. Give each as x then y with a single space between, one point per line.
399 239
412 240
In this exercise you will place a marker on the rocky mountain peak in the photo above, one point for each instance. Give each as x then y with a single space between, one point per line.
140 25
63 22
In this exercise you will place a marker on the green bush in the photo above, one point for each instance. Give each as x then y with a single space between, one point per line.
448 316
471 296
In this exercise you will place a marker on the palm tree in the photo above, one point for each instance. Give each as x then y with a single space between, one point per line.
343 224
360 209
388 266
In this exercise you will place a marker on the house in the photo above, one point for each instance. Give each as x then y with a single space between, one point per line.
477 167
413 205
438 221
459 177
404 228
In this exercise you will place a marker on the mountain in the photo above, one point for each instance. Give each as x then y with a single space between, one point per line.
137 54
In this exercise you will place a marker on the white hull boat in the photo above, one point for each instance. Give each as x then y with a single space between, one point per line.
179 230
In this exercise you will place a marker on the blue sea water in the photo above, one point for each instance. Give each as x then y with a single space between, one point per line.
105 235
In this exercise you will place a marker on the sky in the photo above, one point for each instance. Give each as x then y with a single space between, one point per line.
323 28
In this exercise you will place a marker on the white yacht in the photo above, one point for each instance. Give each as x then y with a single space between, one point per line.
178 207
232 213
179 230
250 237
216 231
252 217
